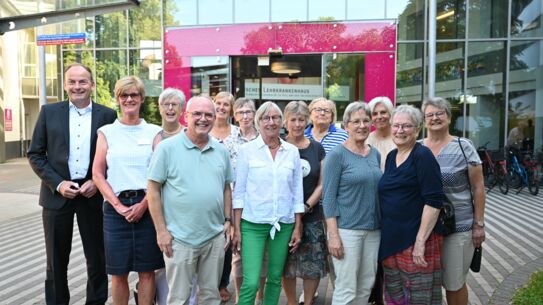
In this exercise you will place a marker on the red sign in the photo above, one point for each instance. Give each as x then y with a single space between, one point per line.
8 121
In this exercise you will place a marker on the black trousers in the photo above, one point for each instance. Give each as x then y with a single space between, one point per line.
58 230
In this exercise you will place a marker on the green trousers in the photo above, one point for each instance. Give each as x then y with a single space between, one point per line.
254 237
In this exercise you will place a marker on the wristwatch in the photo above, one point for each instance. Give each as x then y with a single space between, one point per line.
227 219
480 223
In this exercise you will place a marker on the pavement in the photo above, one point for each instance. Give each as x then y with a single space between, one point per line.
512 252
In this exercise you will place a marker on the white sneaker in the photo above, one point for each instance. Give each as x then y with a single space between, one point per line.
301 300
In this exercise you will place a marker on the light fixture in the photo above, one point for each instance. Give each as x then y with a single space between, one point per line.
445 15
286 67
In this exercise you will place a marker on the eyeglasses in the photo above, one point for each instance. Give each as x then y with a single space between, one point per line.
168 105
403 126
432 114
322 110
199 114
358 123
125 96
267 119
244 113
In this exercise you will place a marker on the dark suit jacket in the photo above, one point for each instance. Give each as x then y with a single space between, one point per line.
49 149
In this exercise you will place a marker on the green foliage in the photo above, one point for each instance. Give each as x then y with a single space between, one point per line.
532 293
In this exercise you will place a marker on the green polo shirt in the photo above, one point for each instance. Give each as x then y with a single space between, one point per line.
193 182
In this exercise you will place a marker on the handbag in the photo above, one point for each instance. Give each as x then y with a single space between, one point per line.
447 218
475 265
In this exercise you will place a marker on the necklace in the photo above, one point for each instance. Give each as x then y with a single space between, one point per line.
170 133
274 146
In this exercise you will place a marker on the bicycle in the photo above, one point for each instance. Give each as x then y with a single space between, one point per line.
494 169
523 174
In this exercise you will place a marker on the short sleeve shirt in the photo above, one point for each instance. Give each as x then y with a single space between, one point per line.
193 182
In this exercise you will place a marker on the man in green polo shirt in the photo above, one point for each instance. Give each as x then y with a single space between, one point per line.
190 202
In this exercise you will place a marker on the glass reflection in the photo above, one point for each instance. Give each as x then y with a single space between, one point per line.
111 30
322 10
147 65
110 67
487 19
410 14
484 99
409 72
357 10
180 12
526 18
526 93
288 10
245 11
144 26
450 19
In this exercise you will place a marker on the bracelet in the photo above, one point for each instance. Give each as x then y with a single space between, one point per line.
227 219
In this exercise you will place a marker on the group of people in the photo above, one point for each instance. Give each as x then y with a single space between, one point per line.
186 206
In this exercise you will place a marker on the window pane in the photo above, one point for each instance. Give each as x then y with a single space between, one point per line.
526 18
326 10
180 12
252 11
111 30
345 79
526 92
451 19
484 97
409 73
110 67
147 65
85 25
357 9
289 10
487 19
410 14
209 75
145 25
215 12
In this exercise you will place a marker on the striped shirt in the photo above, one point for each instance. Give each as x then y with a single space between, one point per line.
334 137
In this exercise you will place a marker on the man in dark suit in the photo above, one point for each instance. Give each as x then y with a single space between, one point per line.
61 154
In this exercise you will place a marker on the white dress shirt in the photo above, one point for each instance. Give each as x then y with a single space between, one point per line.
80 141
269 191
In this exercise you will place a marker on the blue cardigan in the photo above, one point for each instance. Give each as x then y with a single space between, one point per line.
403 193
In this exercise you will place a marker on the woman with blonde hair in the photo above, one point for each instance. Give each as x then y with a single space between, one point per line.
123 153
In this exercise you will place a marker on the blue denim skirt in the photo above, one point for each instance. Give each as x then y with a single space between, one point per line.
130 246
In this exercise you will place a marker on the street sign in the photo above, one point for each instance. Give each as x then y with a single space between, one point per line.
59 39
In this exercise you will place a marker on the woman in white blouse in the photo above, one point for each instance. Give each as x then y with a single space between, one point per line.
268 205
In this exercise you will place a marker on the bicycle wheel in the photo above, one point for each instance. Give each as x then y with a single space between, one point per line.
514 180
533 183
503 183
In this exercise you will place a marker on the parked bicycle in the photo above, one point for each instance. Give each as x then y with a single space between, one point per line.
523 173
494 169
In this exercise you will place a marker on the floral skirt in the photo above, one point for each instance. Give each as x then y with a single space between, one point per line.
309 260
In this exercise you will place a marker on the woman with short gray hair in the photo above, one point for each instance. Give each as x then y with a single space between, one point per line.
411 195
462 178
322 127
351 208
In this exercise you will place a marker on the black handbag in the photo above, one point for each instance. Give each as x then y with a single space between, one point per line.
447 218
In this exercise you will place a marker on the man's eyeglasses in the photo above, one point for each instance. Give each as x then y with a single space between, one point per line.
200 114
267 119
125 96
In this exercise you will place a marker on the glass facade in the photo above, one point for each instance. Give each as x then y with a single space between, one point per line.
488 66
